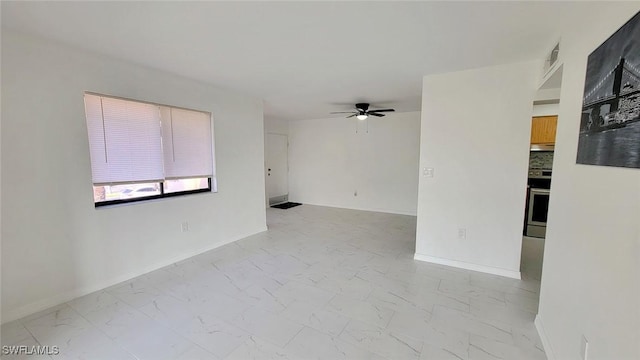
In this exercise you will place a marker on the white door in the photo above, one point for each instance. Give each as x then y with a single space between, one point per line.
277 168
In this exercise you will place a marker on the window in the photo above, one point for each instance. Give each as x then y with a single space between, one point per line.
143 151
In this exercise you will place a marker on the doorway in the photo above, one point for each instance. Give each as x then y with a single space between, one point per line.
277 168
540 174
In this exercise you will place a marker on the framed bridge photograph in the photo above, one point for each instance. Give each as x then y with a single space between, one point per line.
610 123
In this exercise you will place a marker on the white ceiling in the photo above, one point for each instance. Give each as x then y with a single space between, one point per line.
305 59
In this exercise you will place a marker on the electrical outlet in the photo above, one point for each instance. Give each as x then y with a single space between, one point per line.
185 226
427 172
462 233
584 348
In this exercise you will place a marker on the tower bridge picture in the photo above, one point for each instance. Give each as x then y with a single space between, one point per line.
621 95
609 132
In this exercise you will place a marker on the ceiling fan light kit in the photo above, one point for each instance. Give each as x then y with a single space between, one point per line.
362 112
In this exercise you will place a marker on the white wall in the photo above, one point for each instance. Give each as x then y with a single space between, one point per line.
545 109
276 126
547 94
475 135
55 244
591 272
329 163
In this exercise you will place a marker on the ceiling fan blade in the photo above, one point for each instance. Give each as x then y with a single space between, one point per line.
350 116
382 110
342 112
374 114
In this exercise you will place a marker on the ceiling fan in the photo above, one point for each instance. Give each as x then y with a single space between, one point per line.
362 111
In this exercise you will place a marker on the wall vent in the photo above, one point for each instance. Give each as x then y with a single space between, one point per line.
552 58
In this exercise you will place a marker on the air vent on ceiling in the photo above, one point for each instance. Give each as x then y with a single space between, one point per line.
552 58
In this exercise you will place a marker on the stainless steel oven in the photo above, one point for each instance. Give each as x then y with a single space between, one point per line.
537 212
538 185
537 205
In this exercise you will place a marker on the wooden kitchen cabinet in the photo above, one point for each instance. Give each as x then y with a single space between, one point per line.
543 129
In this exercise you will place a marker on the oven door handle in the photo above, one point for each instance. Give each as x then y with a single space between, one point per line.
540 191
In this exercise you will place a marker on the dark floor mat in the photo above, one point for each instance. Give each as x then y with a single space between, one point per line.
286 205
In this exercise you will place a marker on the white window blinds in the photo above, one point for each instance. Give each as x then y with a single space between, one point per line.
132 142
186 141
125 141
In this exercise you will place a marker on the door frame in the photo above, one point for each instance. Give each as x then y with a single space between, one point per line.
281 198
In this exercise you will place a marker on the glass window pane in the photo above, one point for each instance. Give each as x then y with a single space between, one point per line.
172 186
125 191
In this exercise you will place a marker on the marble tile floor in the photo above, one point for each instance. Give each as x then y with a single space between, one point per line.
322 283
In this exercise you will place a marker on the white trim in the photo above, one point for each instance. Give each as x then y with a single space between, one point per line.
277 133
44 304
469 266
543 337
380 210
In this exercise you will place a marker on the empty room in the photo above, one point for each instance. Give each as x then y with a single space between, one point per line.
320 180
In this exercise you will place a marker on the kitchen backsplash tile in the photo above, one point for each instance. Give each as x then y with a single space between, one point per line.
541 160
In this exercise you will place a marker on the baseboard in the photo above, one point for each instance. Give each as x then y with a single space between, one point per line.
543 337
44 304
380 210
469 266
278 199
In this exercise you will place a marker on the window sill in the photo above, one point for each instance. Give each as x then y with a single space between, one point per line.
150 199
